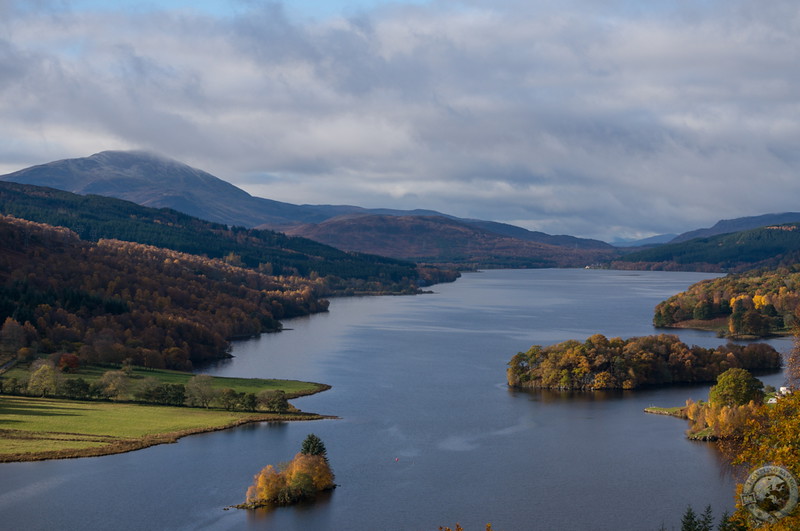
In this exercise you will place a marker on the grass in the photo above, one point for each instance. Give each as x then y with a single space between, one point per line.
44 428
93 373
671 411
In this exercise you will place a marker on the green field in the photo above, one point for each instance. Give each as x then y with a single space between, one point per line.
44 428
93 373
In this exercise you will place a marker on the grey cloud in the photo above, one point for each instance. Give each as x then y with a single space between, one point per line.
584 117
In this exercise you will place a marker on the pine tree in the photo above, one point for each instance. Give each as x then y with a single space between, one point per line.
706 520
689 521
313 445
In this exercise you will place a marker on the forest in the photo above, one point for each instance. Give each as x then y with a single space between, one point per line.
94 217
771 246
112 301
756 303
614 363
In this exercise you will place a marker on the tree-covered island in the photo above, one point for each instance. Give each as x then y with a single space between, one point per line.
302 478
615 363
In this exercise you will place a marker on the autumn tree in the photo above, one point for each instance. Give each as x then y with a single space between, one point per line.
793 364
114 384
302 477
267 486
200 391
774 437
43 380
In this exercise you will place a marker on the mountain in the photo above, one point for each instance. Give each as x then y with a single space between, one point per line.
519 233
445 241
768 246
645 242
159 182
156 181
727 226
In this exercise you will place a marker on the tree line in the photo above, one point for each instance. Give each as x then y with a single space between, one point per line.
756 303
603 363
48 379
112 301
94 218
771 246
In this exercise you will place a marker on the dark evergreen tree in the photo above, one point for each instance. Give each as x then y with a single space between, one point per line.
313 445
706 520
690 522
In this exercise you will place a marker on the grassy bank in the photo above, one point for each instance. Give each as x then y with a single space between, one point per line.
43 428
670 411
138 375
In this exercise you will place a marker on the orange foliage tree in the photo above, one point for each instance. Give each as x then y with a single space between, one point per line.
773 438
301 478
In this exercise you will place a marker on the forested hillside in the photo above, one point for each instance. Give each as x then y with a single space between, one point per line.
756 303
763 247
95 217
450 242
113 301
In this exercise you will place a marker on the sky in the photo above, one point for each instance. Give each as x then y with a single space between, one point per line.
603 119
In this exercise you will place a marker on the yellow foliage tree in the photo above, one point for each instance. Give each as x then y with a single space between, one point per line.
313 466
773 437
300 478
268 484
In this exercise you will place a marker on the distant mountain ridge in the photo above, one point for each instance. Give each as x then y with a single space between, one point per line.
767 246
645 242
446 241
727 226
156 181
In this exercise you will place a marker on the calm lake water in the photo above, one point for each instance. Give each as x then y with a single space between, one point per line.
429 434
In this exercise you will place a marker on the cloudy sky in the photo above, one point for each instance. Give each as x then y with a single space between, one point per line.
597 118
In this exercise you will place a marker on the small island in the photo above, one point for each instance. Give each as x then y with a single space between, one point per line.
603 363
307 474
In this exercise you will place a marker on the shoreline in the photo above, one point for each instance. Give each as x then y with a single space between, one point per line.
719 326
131 445
124 444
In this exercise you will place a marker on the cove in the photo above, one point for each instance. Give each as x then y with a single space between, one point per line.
428 433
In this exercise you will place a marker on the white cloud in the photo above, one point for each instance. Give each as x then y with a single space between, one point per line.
583 117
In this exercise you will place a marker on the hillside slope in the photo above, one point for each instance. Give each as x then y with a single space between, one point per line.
156 181
727 226
441 240
769 246
93 217
111 301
